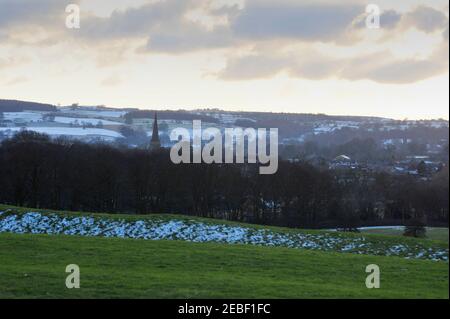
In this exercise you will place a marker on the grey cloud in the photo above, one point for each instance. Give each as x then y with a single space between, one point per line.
390 19
25 12
407 71
164 26
191 39
380 67
318 22
427 19
423 18
33 23
230 11
445 34
315 69
253 67
167 29
134 22
3 36
261 66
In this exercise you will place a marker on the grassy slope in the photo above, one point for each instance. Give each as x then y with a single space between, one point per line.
433 233
368 234
34 265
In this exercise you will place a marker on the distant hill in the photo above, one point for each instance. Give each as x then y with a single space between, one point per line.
297 117
20 106
180 115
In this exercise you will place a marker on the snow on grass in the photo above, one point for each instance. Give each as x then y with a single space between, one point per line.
194 231
382 227
84 120
25 116
66 131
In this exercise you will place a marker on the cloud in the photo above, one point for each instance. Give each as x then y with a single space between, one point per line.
427 19
253 67
270 20
389 20
16 12
189 37
269 30
404 71
168 26
133 22
19 13
34 23
11 62
165 26
381 67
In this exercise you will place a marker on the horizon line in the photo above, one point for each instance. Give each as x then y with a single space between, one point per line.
193 109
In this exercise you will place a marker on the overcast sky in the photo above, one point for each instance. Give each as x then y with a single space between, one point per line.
302 56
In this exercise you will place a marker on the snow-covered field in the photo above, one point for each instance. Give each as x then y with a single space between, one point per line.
24 116
194 231
382 227
331 127
83 120
66 131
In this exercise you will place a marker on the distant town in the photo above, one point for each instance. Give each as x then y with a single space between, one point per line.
412 147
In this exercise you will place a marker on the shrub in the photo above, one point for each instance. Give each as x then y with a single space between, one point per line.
415 228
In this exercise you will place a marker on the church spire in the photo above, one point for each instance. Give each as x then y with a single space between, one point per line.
155 142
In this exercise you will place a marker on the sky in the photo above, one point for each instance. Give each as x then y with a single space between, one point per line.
293 56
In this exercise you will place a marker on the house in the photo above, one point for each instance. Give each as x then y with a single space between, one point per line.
343 162
145 124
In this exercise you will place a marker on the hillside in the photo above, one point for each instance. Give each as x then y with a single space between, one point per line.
310 137
211 263
184 228
125 268
20 106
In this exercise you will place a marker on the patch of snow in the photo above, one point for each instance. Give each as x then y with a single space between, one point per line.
25 116
193 231
83 120
382 227
67 131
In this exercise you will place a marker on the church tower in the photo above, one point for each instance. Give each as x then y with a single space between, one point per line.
155 143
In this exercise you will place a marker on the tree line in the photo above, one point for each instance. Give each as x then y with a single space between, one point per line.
38 172
21 106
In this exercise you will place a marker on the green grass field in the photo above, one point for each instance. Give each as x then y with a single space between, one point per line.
433 233
33 266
